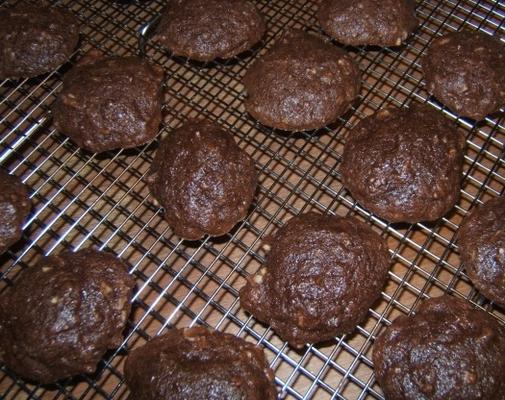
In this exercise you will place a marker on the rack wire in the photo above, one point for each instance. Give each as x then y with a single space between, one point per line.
80 199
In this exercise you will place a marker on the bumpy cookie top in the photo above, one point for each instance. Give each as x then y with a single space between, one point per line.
110 102
196 363
466 71
202 179
35 39
302 83
405 165
63 314
482 248
320 278
368 22
447 350
204 30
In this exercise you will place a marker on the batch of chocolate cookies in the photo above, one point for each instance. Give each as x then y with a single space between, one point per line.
322 273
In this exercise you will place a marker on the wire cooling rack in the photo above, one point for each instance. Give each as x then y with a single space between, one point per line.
81 199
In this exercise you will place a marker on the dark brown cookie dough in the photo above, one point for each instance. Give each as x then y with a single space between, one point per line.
202 179
320 278
368 22
63 314
110 102
35 39
482 248
466 71
447 350
15 206
404 165
303 83
196 363
204 30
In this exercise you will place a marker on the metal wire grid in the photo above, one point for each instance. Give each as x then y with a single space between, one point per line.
81 199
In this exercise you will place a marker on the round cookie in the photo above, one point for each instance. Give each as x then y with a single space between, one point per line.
196 363
320 277
466 71
15 206
303 83
110 102
447 350
368 22
482 248
63 314
404 165
202 179
35 39
204 30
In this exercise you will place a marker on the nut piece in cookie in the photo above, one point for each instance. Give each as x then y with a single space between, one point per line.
482 248
368 22
302 83
110 102
320 277
204 30
466 71
35 39
404 165
63 314
202 179
15 206
447 350
196 363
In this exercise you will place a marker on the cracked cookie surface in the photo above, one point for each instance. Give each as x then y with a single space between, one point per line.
482 248
466 71
204 181
321 275
446 350
63 314
405 165
302 83
196 363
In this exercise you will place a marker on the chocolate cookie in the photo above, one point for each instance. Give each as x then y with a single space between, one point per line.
368 22
202 179
110 102
404 165
35 39
196 363
15 206
319 279
447 350
62 315
482 248
204 30
466 71
303 83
